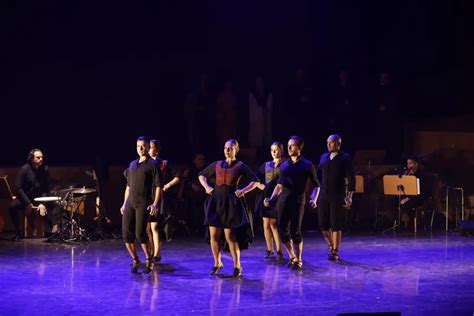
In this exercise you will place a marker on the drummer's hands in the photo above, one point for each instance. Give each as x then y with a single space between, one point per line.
239 193
313 203
42 210
153 209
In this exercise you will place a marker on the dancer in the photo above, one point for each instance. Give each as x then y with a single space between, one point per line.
335 167
290 192
269 174
223 210
141 199
159 220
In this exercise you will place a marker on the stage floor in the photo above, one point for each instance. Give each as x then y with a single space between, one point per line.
424 275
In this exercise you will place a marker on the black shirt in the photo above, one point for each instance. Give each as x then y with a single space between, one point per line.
167 172
142 179
294 175
334 173
31 183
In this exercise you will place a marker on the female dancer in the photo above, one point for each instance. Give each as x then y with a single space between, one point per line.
160 221
223 210
269 174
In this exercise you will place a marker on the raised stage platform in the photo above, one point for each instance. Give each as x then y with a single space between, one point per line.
424 275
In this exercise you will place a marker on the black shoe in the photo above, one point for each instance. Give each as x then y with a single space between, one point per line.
291 262
215 269
331 254
237 273
136 264
335 255
298 265
148 265
269 254
156 259
279 256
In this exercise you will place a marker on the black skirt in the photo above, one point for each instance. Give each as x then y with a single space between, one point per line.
223 209
260 209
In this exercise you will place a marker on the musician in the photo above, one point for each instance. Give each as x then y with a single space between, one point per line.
141 199
409 203
31 182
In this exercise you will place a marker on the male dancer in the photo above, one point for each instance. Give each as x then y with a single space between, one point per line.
290 191
335 167
142 195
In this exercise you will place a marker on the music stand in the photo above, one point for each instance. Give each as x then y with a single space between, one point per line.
5 194
5 191
400 185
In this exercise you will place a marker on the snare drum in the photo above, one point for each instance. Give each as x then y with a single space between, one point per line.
76 205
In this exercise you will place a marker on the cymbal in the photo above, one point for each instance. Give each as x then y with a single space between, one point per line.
67 190
83 191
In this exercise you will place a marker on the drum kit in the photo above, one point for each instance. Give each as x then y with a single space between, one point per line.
71 201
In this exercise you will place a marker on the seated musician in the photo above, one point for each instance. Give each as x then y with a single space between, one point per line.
31 182
410 203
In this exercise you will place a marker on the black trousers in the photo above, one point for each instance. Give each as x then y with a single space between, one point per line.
331 212
290 217
134 221
17 214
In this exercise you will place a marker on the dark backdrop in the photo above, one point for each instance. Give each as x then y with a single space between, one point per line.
83 77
